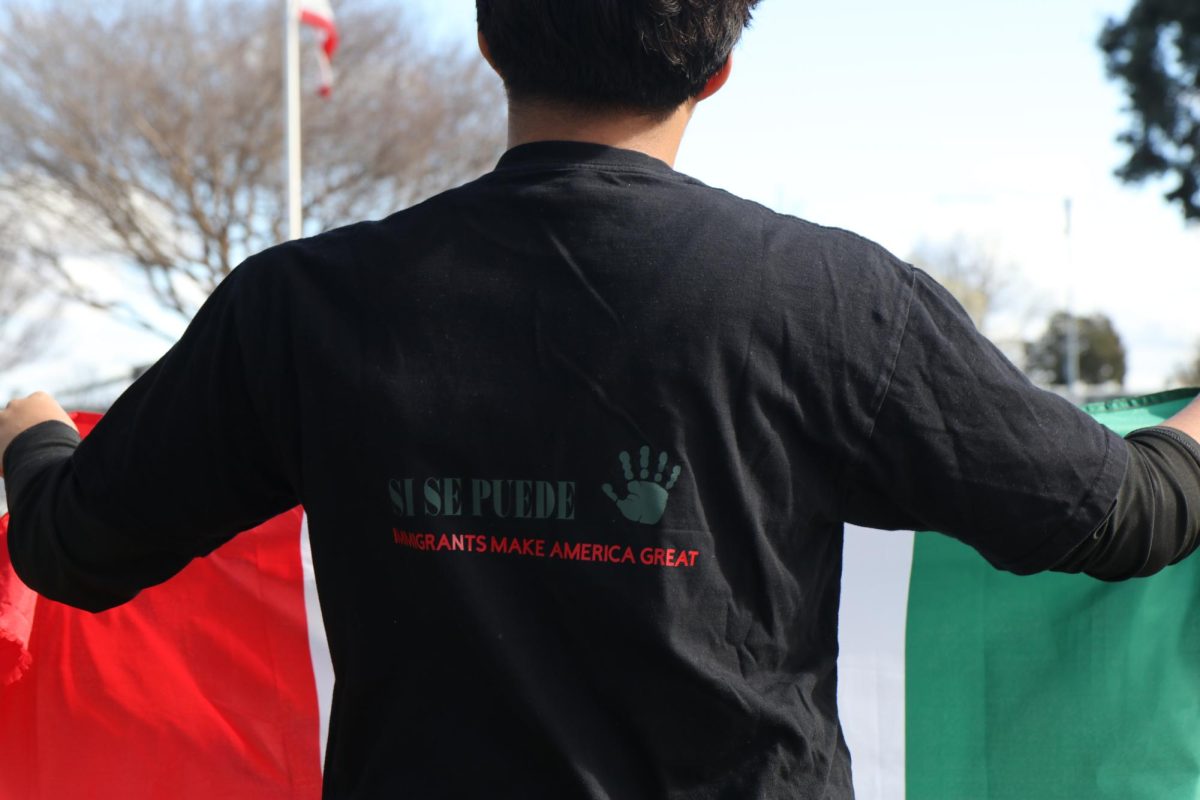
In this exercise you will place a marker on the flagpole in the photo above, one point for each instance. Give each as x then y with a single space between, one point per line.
292 104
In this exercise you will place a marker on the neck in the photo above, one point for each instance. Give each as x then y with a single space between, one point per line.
655 136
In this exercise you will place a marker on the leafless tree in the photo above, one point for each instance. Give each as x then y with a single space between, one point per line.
1188 374
27 313
152 131
971 271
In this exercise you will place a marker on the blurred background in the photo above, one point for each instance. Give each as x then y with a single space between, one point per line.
1040 159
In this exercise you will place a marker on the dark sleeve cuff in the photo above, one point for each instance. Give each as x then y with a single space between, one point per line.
32 451
1155 519
1181 440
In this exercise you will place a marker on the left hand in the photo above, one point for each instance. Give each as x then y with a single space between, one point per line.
21 415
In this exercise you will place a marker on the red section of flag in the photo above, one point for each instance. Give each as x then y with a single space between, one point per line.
199 688
319 14
17 605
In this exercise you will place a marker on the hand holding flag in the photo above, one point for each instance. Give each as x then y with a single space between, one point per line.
20 415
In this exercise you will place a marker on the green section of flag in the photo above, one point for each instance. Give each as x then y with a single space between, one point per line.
1053 687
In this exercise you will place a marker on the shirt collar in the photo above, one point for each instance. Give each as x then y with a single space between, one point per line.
547 154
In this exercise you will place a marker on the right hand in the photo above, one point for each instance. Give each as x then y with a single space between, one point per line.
21 415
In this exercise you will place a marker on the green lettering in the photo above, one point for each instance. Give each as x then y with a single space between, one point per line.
402 496
433 497
545 500
524 497
480 491
566 500
499 498
452 494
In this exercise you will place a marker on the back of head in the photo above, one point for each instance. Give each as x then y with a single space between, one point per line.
648 56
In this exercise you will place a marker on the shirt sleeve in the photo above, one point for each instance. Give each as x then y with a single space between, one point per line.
1155 521
964 444
178 466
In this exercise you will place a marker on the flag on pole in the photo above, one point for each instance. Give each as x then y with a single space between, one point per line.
319 14
960 682
215 684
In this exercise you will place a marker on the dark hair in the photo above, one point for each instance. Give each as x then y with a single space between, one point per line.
647 55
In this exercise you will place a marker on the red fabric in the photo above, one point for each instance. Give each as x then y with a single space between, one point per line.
17 604
325 24
320 15
197 689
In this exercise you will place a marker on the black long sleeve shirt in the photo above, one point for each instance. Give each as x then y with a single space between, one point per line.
576 442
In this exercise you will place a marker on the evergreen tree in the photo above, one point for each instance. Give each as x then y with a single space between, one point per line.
1155 54
1101 352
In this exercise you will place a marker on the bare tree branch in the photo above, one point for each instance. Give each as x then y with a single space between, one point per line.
27 314
153 131
970 270
1188 374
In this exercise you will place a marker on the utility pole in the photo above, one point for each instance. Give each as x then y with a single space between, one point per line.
1072 349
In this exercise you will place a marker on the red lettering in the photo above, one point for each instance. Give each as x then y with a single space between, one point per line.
682 558
667 557
543 548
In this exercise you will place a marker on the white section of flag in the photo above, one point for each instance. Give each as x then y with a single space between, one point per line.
318 644
876 569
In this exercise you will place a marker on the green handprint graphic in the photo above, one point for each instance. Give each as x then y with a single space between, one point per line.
646 501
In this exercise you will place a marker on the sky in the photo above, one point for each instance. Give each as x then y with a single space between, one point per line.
907 123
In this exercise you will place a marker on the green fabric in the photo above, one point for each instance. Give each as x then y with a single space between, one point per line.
1053 686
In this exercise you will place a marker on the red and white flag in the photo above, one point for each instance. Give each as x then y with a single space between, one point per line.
215 684
319 15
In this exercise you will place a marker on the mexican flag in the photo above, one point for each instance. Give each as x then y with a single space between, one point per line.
959 682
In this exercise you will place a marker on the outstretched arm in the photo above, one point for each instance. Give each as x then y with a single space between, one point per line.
180 463
963 443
